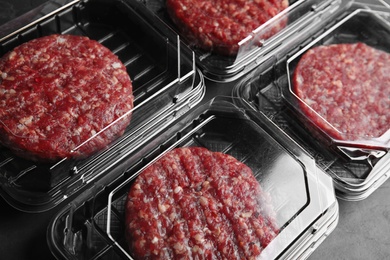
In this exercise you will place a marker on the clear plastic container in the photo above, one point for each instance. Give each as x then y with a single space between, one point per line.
370 31
92 226
358 165
376 2
253 48
165 85
33 12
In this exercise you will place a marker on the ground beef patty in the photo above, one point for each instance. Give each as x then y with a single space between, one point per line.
58 91
218 25
348 86
198 204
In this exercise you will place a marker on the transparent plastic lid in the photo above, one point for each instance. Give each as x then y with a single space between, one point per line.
297 193
358 164
165 83
230 38
12 21
347 95
63 96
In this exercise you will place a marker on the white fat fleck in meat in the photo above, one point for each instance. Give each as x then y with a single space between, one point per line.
228 201
78 97
78 130
72 112
196 249
246 214
217 231
299 79
371 99
44 57
155 240
199 238
142 243
116 65
85 107
21 127
183 7
26 120
162 189
12 55
206 184
61 40
172 216
179 248
114 80
82 81
337 83
178 189
63 75
309 101
163 207
143 215
203 201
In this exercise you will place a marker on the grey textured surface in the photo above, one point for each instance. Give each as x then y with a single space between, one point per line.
363 231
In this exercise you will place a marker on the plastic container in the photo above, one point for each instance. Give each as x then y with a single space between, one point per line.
92 225
253 48
33 11
165 85
357 165
377 2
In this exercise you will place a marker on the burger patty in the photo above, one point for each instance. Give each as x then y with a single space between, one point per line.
198 204
219 25
58 91
346 90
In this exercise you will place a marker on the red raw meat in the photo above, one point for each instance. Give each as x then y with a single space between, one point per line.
345 90
58 91
219 25
201 204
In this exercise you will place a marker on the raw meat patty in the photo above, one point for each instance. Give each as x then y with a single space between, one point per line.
58 91
348 86
218 25
198 204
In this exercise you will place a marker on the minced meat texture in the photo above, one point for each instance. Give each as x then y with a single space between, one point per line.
58 91
196 204
219 25
345 88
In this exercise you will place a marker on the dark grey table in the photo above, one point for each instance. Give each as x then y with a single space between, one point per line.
363 231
